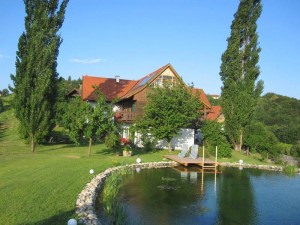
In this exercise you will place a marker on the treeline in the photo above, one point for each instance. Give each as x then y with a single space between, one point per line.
279 117
275 129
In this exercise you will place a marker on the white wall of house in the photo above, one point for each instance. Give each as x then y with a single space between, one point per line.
185 136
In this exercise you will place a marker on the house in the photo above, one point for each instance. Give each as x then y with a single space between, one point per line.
130 95
215 114
214 96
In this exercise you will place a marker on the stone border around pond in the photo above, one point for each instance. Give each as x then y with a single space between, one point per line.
261 167
85 204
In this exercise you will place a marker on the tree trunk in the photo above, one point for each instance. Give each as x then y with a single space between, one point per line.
238 144
32 143
90 146
170 149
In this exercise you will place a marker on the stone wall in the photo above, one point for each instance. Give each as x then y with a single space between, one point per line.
262 167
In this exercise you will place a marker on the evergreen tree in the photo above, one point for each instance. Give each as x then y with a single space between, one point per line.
35 82
239 71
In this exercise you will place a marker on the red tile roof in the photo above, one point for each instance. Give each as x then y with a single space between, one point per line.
126 88
202 96
214 113
108 86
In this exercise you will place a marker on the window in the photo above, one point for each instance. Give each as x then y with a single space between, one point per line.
164 79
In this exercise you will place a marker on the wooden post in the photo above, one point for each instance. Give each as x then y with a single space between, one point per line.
203 157
216 161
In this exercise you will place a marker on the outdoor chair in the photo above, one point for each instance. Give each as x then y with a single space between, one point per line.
194 152
184 151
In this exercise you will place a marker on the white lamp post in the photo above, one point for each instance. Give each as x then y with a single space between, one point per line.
72 222
91 171
138 160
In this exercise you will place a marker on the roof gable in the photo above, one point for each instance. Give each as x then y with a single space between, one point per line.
142 83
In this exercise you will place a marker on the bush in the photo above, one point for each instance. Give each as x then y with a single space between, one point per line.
224 150
290 169
295 150
112 140
283 148
213 136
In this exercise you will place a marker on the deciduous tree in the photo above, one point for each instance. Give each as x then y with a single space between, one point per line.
168 109
35 82
89 121
239 71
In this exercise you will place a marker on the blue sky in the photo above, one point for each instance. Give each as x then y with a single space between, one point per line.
135 37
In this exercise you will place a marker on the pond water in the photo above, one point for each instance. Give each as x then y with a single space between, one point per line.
175 196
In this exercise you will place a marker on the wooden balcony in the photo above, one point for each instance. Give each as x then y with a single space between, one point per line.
126 117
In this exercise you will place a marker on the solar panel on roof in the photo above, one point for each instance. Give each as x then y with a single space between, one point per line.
146 79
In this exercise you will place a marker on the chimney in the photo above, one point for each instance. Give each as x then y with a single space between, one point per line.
117 78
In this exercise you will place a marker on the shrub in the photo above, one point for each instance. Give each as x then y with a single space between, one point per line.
213 136
224 150
290 169
112 140
295 150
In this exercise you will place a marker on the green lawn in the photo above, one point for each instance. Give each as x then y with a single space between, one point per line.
42 187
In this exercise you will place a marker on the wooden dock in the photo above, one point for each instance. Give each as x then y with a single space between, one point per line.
204 163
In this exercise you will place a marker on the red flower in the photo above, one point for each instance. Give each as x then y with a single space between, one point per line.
118 115
124 141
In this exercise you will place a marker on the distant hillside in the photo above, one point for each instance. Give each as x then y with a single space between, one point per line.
281 115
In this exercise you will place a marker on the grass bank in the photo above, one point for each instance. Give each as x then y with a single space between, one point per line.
42 187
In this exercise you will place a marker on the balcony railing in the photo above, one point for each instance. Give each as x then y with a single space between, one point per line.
129 117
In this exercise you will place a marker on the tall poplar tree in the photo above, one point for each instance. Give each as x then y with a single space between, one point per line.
35 82
239 71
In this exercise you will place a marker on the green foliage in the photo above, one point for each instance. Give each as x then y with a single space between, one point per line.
35 82
64 87
283 148
290 169
93 122
112 140
260 139
1 105
239 72
213 135
168 109
4 92
113 208
281 115
295 150
214 101
224 150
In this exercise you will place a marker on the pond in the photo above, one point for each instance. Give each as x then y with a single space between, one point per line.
232 196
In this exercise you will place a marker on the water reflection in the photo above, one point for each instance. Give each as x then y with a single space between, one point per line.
236 203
